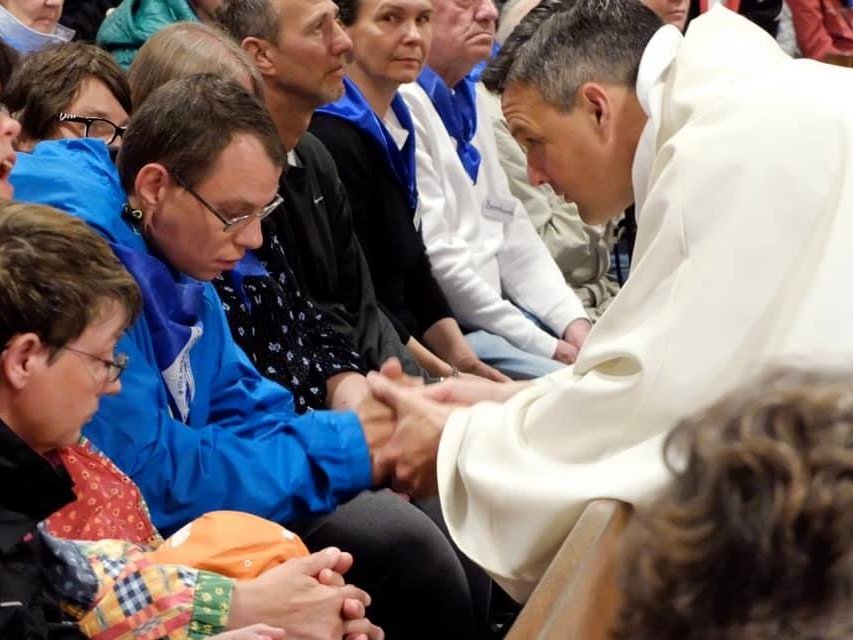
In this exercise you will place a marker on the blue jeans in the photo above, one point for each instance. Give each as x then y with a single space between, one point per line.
509 359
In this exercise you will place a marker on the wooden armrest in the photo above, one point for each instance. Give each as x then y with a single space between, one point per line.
842 60
572 601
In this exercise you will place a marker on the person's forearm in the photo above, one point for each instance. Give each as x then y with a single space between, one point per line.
445 339
433 365
344 391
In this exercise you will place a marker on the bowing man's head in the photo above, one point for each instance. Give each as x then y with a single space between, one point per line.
201 163
567 76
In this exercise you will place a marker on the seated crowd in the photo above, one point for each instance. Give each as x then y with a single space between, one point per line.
298 302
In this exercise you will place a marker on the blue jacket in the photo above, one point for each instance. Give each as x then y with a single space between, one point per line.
243 447
133 22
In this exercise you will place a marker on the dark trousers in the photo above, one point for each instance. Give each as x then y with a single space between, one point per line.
420 584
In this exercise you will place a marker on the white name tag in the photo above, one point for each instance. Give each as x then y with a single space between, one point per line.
500 209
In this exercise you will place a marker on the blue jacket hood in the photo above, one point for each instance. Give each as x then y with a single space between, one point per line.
77 176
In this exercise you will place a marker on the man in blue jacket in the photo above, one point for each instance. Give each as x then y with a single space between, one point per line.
197 427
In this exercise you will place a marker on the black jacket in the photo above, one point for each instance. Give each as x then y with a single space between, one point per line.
31 489
86 16
764 13
384 223
315 226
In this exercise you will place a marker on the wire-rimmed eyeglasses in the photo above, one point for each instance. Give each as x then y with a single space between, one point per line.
230 223
114 368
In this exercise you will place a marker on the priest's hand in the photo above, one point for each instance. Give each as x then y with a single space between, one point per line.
468 390
576 332
465 389
393 369
412 449
377 422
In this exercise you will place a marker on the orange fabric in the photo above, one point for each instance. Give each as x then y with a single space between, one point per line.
232 544
108 505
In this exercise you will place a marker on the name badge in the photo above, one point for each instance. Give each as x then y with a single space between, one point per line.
499 209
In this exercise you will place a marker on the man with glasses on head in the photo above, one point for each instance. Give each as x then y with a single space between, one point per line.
197 427
73 91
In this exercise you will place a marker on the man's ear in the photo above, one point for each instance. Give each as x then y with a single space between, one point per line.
259 51
23 352
150 185
596 103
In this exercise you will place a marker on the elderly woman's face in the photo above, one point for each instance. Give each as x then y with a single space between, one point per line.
39 15
670 11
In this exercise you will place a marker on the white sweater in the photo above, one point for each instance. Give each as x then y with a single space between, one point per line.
480 241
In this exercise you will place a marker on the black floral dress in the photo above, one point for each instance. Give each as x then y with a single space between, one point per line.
287 337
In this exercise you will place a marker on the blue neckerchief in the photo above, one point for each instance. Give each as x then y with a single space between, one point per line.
248 266
27 40
354 108
458 111
171 308
477 71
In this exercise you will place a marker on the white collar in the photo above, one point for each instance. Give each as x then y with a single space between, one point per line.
656 60
397 130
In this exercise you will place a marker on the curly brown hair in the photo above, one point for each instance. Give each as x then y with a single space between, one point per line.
753 540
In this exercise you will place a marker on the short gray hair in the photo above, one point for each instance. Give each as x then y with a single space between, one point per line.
580 41
243 19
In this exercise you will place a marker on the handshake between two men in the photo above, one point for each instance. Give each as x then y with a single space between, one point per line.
403 420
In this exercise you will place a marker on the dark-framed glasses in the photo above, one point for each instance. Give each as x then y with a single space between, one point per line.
113 368
230 223
99 128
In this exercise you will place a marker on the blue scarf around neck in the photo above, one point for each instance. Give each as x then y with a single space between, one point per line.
457 109
172 308
353 107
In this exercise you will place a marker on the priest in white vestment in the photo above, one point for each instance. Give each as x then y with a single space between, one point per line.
740 160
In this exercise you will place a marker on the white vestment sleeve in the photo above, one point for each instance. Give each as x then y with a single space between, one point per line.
742 261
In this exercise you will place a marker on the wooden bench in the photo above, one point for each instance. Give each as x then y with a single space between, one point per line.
839 60
577 596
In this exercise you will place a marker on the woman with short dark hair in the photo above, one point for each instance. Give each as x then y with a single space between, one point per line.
73 91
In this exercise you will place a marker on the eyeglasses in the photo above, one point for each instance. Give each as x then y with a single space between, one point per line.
113 368
99 128
231 223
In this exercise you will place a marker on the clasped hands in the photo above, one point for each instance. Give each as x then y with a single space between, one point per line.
403 420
